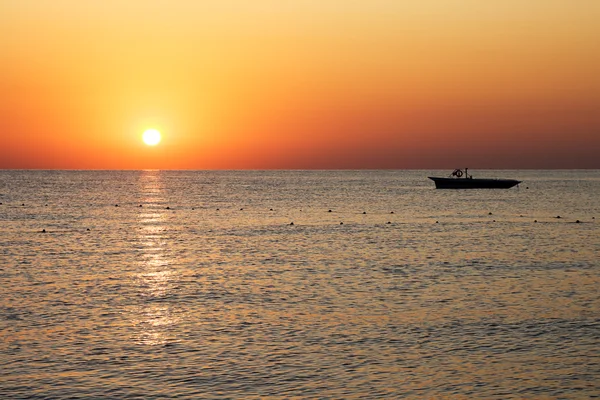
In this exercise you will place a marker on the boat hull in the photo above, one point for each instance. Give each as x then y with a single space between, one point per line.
470 183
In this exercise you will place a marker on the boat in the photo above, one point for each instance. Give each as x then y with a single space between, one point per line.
460 179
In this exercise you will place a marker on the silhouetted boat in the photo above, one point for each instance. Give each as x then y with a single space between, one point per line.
462 180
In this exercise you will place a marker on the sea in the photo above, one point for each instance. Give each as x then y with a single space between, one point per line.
298 285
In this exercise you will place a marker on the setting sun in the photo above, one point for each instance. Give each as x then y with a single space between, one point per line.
151 137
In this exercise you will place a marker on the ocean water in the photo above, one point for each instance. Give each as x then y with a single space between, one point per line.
196 285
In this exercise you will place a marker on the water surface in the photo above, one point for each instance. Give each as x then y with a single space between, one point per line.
195 284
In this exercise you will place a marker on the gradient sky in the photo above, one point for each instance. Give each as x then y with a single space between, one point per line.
300 84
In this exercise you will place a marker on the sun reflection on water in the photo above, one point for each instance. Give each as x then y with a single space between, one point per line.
154 318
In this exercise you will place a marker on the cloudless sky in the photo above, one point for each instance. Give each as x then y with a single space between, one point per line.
300 84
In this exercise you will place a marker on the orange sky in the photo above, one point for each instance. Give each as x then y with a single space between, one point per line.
300 84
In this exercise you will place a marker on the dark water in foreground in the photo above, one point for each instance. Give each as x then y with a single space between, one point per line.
207 291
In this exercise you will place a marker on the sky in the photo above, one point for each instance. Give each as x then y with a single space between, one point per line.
304 84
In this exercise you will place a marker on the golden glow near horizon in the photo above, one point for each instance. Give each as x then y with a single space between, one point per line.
151 137
328 84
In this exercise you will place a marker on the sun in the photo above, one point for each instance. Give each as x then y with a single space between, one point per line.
151 137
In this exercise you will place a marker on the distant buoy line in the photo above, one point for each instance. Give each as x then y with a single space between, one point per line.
272 210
